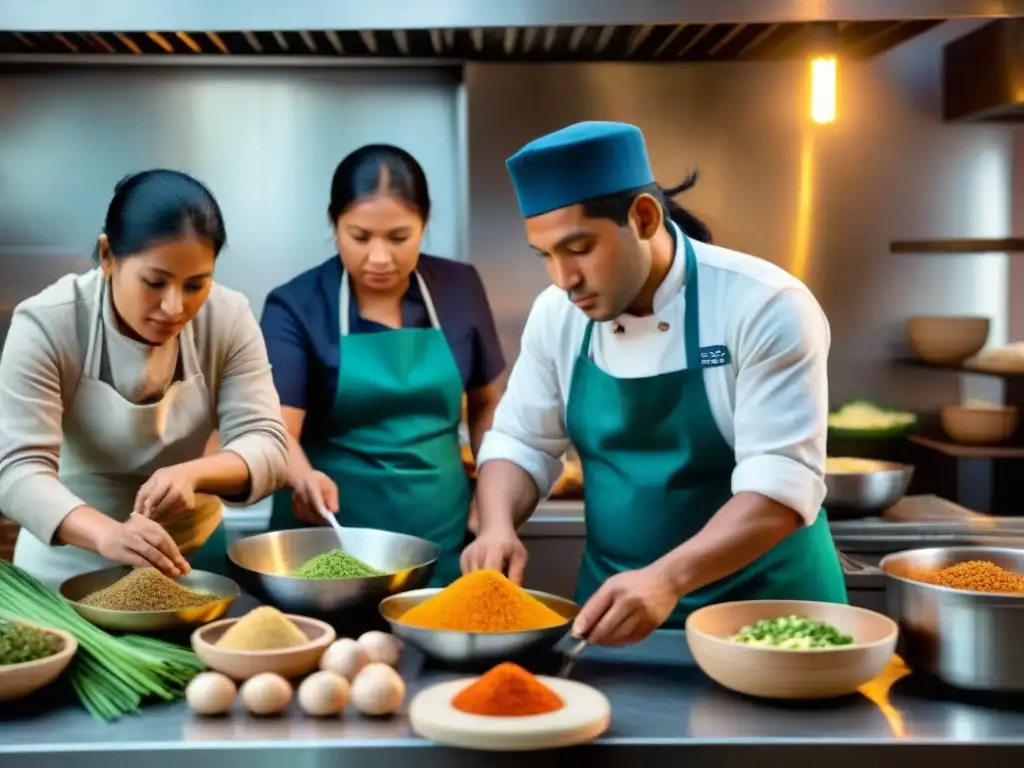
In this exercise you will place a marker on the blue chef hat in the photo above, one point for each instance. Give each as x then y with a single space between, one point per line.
579 163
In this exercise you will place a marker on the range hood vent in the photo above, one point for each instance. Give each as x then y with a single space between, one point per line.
983 74
582 43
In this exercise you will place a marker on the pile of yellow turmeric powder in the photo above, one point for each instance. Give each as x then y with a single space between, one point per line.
482 601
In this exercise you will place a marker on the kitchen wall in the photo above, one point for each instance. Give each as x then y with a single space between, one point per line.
822 201
266 141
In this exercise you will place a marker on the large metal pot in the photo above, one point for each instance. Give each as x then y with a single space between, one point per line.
967 639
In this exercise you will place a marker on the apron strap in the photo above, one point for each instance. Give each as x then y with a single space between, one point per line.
93 348
345 301
691 313
585 346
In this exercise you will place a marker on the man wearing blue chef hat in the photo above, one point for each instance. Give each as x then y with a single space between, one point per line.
690 379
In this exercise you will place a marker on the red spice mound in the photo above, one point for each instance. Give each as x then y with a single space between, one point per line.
507 690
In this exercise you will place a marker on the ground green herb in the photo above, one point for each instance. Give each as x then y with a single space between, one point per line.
794 633
20 643
335 565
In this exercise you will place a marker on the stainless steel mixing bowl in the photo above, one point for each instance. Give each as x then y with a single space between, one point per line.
265 562
968 639
471 647
79 587
879 486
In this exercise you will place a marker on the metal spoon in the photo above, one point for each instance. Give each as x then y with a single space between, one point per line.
571 657
333 520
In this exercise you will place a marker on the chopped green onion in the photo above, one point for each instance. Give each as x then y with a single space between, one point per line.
112 676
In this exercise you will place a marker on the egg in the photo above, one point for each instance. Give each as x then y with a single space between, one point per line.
381 647
378 690
323 694
211 693
344 657
266 694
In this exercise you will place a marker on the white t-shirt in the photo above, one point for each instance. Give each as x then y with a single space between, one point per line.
770 403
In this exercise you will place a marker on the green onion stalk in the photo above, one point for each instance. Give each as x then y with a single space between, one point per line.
112 676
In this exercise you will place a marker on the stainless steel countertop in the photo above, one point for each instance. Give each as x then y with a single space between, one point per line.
664 710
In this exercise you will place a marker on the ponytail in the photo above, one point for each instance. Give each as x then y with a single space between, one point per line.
691 226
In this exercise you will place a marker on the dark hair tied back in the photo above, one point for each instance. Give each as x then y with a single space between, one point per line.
686 221
379 169
160 205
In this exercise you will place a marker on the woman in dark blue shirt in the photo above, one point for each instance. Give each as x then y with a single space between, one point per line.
372 352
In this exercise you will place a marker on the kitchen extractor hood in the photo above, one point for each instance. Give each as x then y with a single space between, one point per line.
983 74
295 15
466 30
652 43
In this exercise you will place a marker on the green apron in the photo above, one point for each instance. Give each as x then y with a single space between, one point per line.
391 444
213 555
656 469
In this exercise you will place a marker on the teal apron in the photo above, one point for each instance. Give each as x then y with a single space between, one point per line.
656 469
391 444
213 555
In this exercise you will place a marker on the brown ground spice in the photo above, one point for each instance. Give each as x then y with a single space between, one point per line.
146 589
977 576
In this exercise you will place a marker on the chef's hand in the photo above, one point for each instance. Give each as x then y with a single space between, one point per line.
627 608
473 523
312 492
498 549
169 493
143 543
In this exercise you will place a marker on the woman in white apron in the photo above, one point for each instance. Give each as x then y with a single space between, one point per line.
111 384
372 353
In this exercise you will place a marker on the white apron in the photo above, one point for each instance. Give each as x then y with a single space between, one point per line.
111 447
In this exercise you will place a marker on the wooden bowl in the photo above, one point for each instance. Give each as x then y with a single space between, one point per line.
979 425
774 673
947 339
18 680
290 663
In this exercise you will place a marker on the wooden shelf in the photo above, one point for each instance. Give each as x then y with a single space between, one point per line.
965 245
915 363
970 451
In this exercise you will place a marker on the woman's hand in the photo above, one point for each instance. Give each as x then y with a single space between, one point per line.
143 543
312 492
169 493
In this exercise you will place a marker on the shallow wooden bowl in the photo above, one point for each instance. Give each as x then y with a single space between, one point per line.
18 680
290 663
775 673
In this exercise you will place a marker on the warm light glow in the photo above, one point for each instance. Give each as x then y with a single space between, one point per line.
823 90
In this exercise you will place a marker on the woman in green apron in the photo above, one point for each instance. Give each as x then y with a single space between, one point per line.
373 352
113 381
691 381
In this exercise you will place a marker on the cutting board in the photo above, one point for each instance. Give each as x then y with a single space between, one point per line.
585 716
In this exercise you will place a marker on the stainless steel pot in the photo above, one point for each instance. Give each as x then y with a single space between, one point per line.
968 639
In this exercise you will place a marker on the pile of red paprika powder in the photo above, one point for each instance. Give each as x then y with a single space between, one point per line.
507 690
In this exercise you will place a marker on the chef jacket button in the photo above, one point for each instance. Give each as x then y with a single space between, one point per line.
663 326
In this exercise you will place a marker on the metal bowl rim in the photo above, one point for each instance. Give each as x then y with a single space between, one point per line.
885 467
329 632
233 545
437 590
986 596
893 635
166 612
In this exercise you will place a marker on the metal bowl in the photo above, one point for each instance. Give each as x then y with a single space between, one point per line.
79 587
470 647
967 639
879 486
265 563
